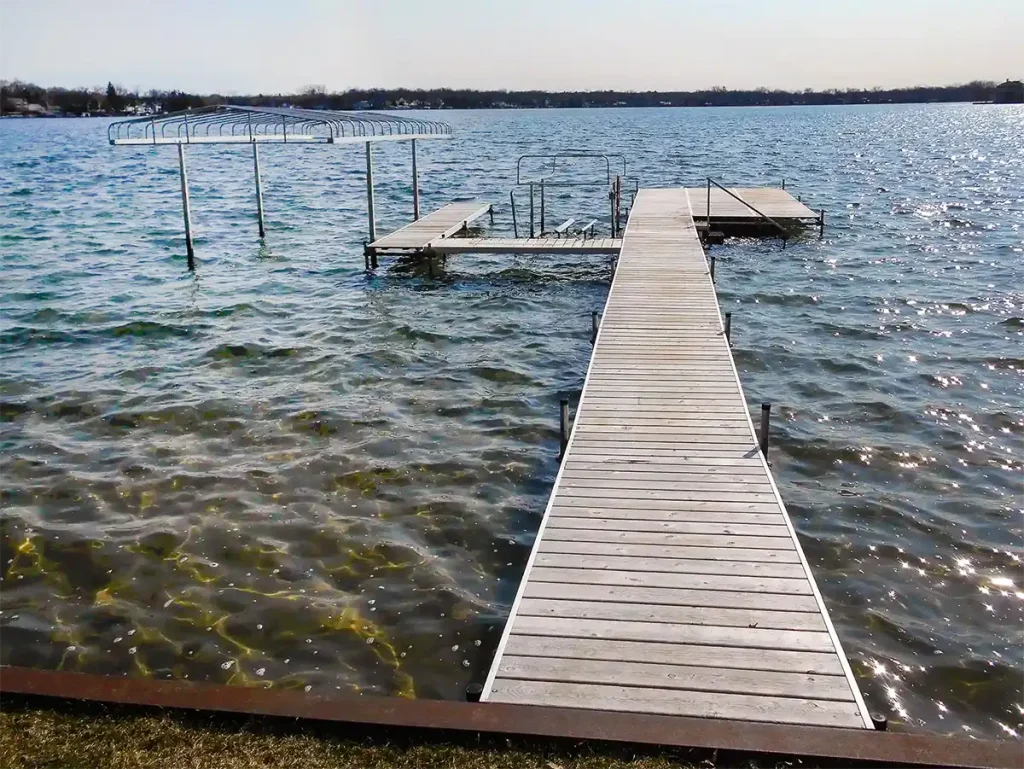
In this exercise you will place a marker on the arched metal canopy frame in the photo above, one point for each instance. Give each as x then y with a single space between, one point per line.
235 124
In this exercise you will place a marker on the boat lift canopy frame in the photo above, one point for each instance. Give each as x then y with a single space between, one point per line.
236 124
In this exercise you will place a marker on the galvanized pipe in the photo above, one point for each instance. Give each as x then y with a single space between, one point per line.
512 201
728 328
369 192
531 209
712 268
542 208
821 223
415 184
766 412
186 210
259 187
594 325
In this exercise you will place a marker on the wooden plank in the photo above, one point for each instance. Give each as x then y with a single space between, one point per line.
706 635
736 568
666 596
695 516
684 703
687 581
656 551
690 678
677 527
810 663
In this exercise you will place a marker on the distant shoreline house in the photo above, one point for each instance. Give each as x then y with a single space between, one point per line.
1009 92
18 106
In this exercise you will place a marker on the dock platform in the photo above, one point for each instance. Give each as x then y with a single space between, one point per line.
666 576
543 245
770 201
440 224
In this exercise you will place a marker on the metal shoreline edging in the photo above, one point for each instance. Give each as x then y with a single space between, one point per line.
445 717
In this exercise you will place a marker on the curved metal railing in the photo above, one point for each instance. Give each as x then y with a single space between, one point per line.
225 123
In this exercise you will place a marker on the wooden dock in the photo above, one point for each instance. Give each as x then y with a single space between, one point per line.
666 576
440 224
771 201
543 245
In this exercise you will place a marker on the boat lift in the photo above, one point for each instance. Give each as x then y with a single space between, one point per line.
235 124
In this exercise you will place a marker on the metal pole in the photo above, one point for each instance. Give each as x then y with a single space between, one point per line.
712 262
594 325
491 212
766 411
185 208
259 187
515 225
542 208
728 327
369 192
415 184
619 200
611 202
563 427
783 184
821 223
708 221
531 209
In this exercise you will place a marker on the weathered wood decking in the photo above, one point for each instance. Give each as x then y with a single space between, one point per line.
771 201
666 576
565 245
441 223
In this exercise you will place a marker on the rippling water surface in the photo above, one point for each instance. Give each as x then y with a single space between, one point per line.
281 471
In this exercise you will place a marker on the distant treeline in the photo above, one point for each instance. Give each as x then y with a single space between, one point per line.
32 99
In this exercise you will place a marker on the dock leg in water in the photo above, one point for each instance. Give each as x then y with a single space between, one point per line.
369 192
259 187
563 428
415 184
185 208
766 413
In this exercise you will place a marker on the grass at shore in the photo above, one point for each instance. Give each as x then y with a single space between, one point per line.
37 734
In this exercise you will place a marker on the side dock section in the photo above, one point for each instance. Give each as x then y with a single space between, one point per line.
666 576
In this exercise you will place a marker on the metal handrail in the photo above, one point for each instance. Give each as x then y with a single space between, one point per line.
783 230
553 157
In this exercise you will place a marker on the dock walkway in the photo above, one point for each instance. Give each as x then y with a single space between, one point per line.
567 245
442 223
666 576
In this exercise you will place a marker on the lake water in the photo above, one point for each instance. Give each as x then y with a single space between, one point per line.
279 469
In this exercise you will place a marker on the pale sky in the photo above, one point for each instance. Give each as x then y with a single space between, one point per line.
252 46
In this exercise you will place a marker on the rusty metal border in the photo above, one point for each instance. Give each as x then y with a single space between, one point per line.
887 748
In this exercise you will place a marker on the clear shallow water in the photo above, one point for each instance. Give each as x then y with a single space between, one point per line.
280 470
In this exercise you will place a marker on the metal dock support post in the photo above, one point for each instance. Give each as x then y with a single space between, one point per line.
259 186
563 427
594 326
512 202
708 220
531 209
185 208
542 208
369 192
821 225
415 184
728 328
766 412
611 203
711 267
